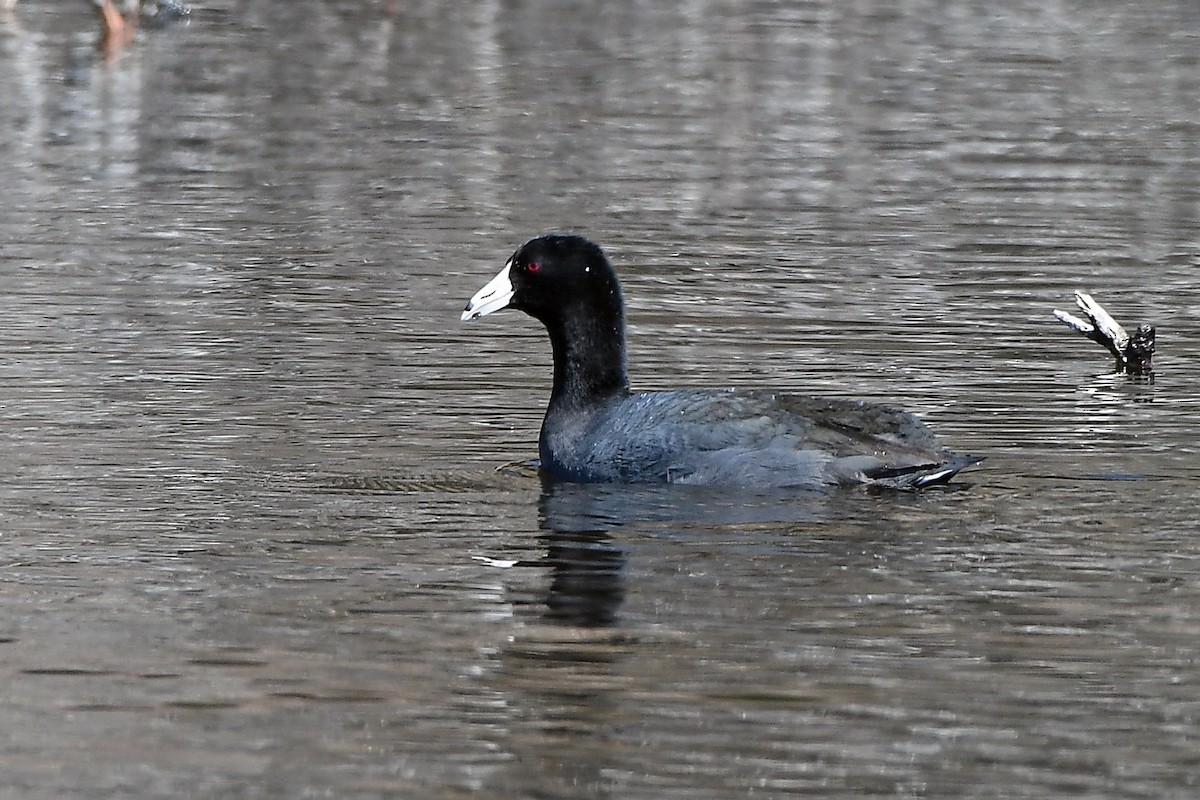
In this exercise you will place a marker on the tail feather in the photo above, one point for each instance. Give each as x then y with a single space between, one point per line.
922 475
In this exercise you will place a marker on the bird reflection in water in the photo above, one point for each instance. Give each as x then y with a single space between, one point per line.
581 525
586 585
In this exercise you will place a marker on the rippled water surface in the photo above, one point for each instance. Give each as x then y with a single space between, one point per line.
257 535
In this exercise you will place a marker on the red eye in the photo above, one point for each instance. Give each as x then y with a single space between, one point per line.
533 266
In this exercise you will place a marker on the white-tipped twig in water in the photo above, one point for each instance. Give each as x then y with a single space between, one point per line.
1133 353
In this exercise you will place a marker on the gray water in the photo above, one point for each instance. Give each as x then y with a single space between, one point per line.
257 535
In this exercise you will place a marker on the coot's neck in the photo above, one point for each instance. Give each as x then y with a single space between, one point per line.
589 357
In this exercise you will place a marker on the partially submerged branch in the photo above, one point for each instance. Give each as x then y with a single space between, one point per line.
1134 353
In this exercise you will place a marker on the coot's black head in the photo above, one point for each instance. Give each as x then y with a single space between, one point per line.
553 278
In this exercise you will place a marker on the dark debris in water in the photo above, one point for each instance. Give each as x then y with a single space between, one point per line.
440 483
1116 476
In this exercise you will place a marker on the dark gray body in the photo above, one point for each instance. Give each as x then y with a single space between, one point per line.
733 438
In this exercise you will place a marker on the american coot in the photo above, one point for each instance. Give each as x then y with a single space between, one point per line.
596 430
